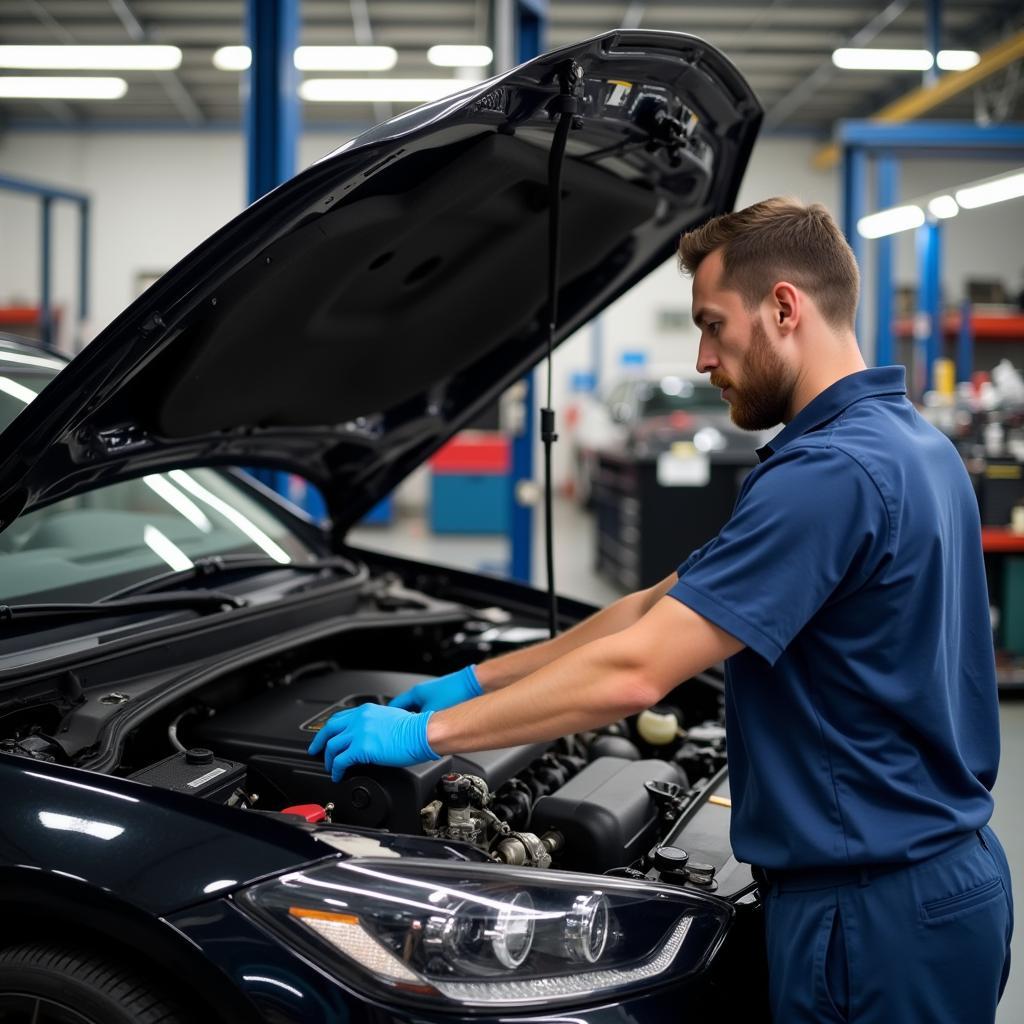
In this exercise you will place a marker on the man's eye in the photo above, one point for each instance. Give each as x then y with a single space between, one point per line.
713 327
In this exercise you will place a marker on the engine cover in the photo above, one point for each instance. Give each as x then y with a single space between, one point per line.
605 813
272 730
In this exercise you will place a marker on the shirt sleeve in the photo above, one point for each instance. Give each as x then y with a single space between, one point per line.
695 557
811 527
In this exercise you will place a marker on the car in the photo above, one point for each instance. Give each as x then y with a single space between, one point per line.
645 414
173 633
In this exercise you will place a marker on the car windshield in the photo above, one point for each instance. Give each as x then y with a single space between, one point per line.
670 394
87 546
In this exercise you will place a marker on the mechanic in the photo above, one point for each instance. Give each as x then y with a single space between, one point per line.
847 596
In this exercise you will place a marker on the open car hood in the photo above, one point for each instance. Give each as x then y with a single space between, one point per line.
353 319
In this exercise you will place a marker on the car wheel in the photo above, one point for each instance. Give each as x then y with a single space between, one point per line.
44 984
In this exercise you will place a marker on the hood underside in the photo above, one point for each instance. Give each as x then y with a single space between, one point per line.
349 322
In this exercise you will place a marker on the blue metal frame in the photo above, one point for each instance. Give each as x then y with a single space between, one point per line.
272 110
862 141
887 191
271 115
529 23
47 195
928 322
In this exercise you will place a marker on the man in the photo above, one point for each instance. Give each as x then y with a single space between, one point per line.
847 596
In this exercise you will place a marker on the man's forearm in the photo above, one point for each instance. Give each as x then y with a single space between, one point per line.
621 614
584 689
597 683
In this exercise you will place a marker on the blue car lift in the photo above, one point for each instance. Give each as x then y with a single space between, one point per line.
47 195
886 144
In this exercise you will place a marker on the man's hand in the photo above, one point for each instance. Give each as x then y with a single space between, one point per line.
438 694
371 734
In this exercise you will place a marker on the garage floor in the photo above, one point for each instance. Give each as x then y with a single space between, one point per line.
574 576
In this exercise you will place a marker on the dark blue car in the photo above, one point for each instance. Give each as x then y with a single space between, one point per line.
172 633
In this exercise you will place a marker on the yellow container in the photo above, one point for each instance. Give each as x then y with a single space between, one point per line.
945 377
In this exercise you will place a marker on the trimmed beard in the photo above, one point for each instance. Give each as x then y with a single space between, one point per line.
766 396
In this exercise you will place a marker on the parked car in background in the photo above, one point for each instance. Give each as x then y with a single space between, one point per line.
646 413
173 634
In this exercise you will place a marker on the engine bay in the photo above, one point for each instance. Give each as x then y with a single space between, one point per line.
609 801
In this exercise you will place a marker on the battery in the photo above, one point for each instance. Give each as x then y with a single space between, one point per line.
195 771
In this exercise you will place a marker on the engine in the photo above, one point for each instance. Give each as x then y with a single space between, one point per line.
594 802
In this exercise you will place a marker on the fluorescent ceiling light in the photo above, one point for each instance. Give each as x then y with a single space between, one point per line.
888 222
957 60
460 56
92 58
346 58
943 207
316 58
47 88
1009 187
232 58
864 58
379 90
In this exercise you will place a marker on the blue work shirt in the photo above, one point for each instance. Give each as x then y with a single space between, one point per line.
862 716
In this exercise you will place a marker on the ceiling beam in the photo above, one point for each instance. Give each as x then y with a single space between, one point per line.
170 80
926 98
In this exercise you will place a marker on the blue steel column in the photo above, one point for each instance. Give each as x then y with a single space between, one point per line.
271 116
854 181
272 101
529 18
933 39
45 298
928 323
887 188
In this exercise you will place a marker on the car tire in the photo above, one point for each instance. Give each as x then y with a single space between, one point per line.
54 983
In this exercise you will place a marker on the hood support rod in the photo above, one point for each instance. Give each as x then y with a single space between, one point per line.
565 107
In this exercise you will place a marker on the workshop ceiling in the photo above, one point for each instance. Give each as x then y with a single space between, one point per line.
777 44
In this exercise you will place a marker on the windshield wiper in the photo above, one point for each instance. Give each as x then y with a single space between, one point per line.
204 568
211 600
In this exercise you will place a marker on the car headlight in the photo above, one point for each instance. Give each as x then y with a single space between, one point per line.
489 935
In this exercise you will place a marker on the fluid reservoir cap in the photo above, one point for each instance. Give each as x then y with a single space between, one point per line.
198 755
700 874
657 729
670 858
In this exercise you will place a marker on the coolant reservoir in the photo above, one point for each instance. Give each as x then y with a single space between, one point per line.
656 727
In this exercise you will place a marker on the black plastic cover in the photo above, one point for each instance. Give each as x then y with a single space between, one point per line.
209 777
606 815
272 730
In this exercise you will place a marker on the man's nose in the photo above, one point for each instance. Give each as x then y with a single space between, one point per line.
706 359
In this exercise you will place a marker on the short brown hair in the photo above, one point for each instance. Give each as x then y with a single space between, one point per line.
780 239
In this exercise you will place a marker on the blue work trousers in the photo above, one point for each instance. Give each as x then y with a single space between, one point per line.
929 942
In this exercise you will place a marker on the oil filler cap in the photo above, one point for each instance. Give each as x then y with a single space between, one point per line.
198 755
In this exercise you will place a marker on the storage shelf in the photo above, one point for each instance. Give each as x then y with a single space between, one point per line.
984 328
997 539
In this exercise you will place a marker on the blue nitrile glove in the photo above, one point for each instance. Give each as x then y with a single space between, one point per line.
371 734
438 694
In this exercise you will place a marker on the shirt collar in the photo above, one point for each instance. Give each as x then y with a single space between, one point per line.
835 399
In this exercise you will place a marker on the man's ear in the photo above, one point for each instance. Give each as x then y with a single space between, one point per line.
786 306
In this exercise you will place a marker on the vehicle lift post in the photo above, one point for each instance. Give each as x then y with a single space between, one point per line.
863 141
271 117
